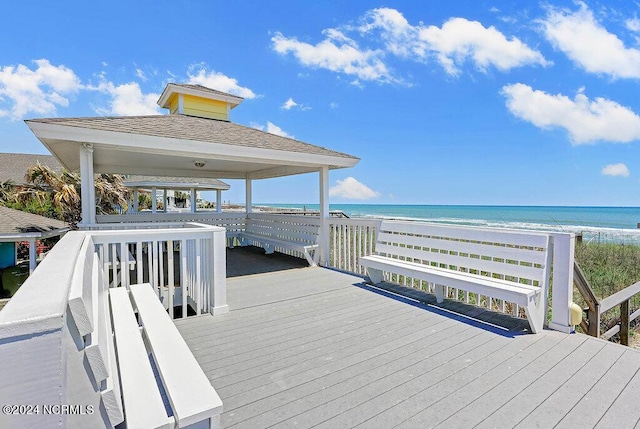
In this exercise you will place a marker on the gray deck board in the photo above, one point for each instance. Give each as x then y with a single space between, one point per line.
310 347
492 409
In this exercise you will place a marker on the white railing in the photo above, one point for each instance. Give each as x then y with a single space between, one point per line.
349 239
173 258
55 333
201 217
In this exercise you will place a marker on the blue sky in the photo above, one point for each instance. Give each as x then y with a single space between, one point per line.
474 102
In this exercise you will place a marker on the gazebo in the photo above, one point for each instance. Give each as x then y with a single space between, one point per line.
197 139
164 184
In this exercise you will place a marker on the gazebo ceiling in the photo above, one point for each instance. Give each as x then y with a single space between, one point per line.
180 145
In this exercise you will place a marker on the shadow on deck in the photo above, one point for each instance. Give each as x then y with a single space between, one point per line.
250 260
244 261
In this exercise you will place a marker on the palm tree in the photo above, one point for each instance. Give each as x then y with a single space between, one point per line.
63 190
7 191
110 193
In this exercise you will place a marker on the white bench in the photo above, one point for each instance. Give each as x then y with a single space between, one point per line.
507 265
271 232
162 383
144 370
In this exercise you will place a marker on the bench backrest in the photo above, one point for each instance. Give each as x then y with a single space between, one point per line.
232 222
299 229
522 257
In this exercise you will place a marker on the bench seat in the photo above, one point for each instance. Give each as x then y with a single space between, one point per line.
142 399
269 244
459 258
520 294
163 385
294 233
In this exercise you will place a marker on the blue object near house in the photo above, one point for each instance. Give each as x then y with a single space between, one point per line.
7 255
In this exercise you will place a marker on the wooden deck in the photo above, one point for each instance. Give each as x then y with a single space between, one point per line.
311 347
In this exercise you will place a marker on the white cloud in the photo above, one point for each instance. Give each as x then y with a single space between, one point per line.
586 121
272 129
351 189
199 74
587 43
616 170
334 105
457 41
633 24
38 91
128 100
337 53
289 104
141 75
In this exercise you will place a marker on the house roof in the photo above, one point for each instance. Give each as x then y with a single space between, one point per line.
199 91
172 144
14 222
14 166
175 182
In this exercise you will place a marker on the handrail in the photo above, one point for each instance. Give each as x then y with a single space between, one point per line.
597 307
592 325
619 297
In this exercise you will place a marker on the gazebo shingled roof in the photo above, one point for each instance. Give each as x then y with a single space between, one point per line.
18 222
118 134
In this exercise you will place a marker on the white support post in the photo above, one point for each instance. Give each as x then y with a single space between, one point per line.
248 194
562 293
135 200
181 104
193 200
154 200
324 216
32 254
218 295
164 200
218 200
87 187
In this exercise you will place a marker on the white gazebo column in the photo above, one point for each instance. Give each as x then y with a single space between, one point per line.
324 216
135 200
193 200
164 200
248 195
218 200
154 200
87 187
32 254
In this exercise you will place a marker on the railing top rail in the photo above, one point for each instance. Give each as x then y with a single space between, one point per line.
196 231
39 307
581 282
619 297
354 221
471 228
136 225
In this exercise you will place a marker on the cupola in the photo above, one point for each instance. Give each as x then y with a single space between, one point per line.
198 100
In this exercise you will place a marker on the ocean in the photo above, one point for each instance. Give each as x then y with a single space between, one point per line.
603 224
